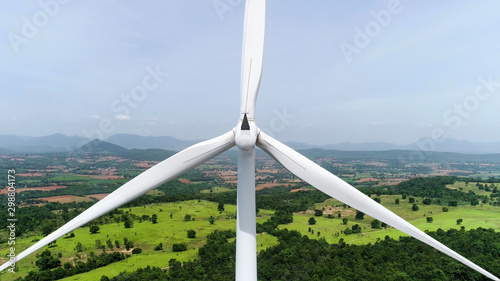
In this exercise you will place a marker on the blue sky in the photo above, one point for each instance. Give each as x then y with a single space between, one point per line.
334 71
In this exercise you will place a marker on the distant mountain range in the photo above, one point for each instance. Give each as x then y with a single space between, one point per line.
63 143
446 145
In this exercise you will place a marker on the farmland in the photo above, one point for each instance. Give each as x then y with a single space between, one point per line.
57 187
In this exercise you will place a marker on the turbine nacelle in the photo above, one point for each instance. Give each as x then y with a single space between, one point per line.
245 133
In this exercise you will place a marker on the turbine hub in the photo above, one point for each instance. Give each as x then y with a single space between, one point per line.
245 134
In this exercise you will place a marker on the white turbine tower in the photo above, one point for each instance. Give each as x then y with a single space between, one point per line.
246 135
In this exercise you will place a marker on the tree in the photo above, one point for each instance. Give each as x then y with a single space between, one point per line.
181 247
220 207
94 229
191 233
474 202
117 244
312 221
318 213
445 209
459 221
67 265
360 215
396 201
154 218
159 247
376 224
128 223
411 200
187 217
136 251
79 247
427 201
356 228
48 227
99 245
344 221
129 245
211 220
430 219
109 244
415 207
46 261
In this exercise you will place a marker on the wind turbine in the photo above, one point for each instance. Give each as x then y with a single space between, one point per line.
246 135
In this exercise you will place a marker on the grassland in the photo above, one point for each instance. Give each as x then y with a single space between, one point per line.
145 235
331 229
172 228
466 187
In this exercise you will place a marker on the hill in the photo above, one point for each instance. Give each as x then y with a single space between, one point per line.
145 142
101 147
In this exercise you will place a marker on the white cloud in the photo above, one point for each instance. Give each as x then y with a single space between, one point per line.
122 117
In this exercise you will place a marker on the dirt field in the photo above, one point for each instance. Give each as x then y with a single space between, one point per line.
42 188
368 180
66 199
269 185
97 196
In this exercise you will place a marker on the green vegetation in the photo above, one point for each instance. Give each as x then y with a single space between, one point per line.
185 223
145 236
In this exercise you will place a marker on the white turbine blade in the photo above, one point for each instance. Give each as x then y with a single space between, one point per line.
253 48
339 189
151 178
246 242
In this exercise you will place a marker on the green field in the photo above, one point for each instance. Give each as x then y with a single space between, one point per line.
471 186
146 236
170 230
485 216
216 189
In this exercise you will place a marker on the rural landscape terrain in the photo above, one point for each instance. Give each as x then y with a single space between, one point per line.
185 229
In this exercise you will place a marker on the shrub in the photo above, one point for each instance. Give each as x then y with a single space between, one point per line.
191 233
181 247
94 229
312 221
159 247
318 213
